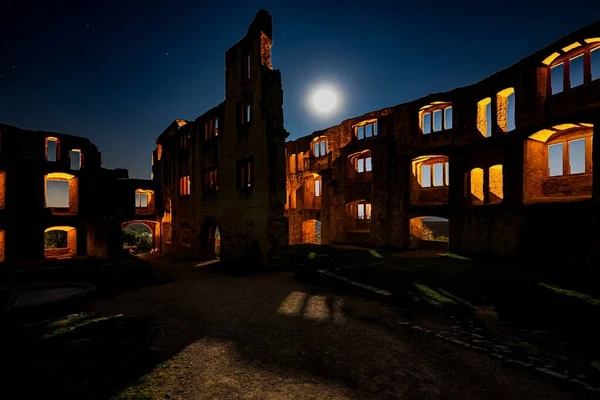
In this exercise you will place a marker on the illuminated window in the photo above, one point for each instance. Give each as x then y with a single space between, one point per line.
570 73
75 159
555 159
366 130
436 117
426 176
320 148
505 109
363 211
577 157
245 176
434 175
438 174
576 70
363 164
446 174
185 187
484 117
52 149
557 78
141 200
211 129
318 187
426 122
448 118
211 181
595 63
477 186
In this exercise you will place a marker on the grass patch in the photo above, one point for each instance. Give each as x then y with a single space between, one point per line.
433 294
140 389
375 254
456 256
312 255
581 296
73 322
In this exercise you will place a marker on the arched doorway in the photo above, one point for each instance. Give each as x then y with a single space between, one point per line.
140 236
311 231
429 232
210 239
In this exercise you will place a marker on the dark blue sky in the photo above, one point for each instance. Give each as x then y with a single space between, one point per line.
120 71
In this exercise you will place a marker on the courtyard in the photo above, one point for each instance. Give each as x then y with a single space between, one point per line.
198 331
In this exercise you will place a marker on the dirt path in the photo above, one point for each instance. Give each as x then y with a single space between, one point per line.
270 337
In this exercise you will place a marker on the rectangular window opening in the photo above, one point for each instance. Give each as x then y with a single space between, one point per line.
368 164
577 156
369 130
438 174
360 211
317 153
360 165
446 173
185 186
557 78
375 128
555 159
488 119
448 118
57 193
510 112
52 150
595 63
75 158
426 176
317 188
360 132
323 148
426 123
437 120
576 70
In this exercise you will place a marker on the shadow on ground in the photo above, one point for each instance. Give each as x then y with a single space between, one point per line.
220 335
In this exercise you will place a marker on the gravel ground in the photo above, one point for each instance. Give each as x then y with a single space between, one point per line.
270 337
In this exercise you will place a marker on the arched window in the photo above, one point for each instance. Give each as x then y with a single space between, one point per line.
435 117
319 147
573 65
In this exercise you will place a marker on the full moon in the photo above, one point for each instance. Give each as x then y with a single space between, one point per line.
324 100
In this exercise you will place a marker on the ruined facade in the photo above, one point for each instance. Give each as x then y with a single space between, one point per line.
56 199
509 161
222 175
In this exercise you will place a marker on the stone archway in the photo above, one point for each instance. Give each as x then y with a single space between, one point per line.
154 229
210 238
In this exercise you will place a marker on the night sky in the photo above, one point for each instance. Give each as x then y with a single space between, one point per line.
119 72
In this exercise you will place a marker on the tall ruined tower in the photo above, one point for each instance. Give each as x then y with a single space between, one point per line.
222 176
254 111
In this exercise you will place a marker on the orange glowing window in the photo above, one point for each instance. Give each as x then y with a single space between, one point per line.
365 129
435 117
141 200
185 188
363 210
577 66
320 147
318 187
